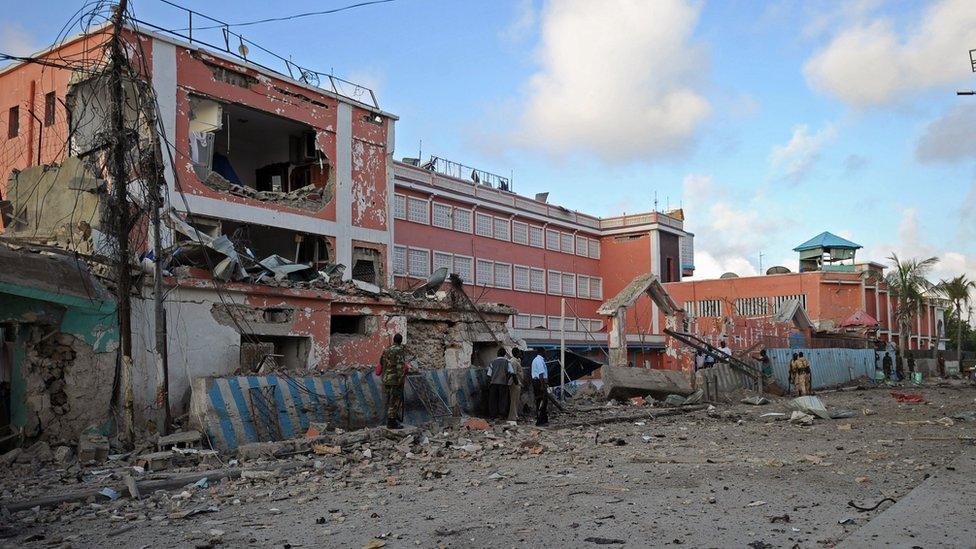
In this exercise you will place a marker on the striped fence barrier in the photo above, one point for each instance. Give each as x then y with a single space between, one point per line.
242 409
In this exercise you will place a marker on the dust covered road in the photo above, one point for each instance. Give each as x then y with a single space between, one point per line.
724 477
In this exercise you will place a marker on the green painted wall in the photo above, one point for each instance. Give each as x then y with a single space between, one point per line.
94 322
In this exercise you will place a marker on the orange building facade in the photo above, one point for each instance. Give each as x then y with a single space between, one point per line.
841 305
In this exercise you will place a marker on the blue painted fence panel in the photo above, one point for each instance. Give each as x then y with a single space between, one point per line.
351 401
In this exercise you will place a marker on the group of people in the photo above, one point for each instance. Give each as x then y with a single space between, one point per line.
505 382
703 361
895 370
801 376
505 385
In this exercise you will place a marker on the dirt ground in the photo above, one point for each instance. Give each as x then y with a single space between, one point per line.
599 475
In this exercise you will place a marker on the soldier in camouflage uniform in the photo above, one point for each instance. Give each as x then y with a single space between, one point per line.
393 374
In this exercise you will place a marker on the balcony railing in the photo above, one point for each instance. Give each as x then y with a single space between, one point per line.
215 34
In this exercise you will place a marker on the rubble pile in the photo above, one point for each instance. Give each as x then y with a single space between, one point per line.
698 465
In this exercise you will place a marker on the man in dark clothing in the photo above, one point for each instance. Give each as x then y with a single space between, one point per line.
940 362
500 372
886 365
393 371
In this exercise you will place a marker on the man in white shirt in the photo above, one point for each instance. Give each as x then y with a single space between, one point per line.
724 347
540 387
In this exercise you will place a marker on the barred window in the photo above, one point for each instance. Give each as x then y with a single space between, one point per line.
399 206
566 242
555 282
710 307
520 233
535 236
523 321
778 300
538 322
552 240
581 245
419 264
752 306
442 259
442 216
462 267
462 220
501 228
554 323
570 324
690 310
486 272
569 284
400 260
583 286
537 280
594 249
596 287
482 225
503 275
521 278
596 325
417 210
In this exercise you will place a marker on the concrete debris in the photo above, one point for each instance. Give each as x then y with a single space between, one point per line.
801 418
592 456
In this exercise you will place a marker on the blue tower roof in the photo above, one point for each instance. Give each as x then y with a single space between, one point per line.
827 240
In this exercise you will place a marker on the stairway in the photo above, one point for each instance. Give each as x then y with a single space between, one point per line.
700 344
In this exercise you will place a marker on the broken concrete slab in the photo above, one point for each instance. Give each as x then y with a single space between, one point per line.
621 382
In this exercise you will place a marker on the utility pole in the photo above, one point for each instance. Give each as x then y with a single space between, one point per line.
760 262
162 354
121 215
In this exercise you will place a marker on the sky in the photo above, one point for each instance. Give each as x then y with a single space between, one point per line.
768 122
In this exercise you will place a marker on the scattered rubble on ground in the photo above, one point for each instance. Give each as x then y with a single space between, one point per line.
723 468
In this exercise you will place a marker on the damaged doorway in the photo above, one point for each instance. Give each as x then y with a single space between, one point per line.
262 354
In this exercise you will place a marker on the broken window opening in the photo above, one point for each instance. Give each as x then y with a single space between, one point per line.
367 265
348 324
262 354
252 153
262 241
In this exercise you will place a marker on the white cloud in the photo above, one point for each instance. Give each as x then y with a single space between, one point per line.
950 137
952 260
521 26
617 79
793 161
731 228
15 40
871 63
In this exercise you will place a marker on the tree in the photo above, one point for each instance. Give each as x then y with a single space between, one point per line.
961 333
957 290
907 282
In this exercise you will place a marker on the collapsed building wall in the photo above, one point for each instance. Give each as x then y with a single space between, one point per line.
59 342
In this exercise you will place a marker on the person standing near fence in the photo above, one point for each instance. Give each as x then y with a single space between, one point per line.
804 377
793 371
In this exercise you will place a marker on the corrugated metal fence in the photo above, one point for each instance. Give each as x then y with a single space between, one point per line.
829 367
